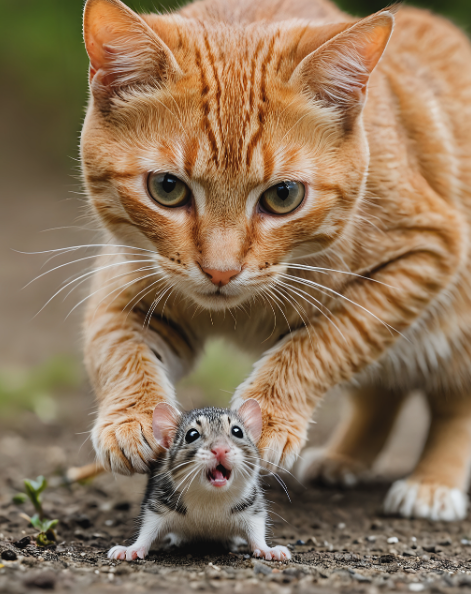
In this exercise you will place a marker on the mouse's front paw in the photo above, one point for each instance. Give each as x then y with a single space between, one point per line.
127 553
278 553
125 444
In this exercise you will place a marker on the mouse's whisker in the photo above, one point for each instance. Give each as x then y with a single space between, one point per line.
278 479
276 466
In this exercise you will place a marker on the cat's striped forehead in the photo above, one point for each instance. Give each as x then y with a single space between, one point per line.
230 111
234 93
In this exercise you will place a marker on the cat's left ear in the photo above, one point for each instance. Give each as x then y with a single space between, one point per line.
251 414
337 73
122 48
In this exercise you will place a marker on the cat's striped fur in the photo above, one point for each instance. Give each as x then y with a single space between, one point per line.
366 284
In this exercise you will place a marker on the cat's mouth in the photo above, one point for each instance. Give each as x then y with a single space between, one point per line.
219 476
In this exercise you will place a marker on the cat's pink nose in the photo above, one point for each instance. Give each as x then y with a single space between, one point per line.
220 452
220 277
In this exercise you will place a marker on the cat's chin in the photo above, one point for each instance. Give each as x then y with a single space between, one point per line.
218 301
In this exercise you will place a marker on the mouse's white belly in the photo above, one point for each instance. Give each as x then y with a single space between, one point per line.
207 522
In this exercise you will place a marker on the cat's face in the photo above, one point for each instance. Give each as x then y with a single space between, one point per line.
228 165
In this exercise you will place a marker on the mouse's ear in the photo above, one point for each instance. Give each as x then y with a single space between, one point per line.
251 414
164 423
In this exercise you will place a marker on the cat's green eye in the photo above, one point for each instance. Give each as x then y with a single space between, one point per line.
168 190
283 198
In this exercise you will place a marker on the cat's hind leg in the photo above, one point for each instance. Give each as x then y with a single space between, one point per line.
348 458
437 488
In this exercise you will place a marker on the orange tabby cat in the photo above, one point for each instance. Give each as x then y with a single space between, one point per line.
299 182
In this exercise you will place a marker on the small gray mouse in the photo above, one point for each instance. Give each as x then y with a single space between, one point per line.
207 485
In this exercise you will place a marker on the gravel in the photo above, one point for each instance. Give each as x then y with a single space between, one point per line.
340 541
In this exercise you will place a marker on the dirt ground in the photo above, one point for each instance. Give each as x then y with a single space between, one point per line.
339 539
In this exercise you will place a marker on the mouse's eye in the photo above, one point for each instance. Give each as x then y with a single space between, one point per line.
191 436
237 432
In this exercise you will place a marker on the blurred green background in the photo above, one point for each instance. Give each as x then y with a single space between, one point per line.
43 73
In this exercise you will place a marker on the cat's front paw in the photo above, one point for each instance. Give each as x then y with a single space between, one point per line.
125 444
278 553
317 464
280 445
127 553
415 499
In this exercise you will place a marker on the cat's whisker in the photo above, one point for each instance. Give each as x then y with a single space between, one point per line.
111 280
166 300
281 311
280 291
324 288
119 288
87 274
139 297
325 270
158 298
86 246
77 262
266 298
302 295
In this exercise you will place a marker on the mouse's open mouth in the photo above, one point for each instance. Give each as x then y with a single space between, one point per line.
219 476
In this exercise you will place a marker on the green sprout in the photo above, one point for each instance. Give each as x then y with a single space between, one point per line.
46 535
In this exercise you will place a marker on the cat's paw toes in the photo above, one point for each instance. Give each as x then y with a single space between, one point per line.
278 553
415 499
318 465
127 553
280 448
123 444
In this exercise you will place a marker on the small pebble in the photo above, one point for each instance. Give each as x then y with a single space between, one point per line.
361 578
300 542
341 525
45 580
387 559
409 553
466 542
416 587
261 568
392 540
23 543
109 522
9 555
371 538
82 520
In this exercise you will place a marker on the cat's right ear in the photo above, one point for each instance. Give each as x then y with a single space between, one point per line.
337 73
165 423
122 48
